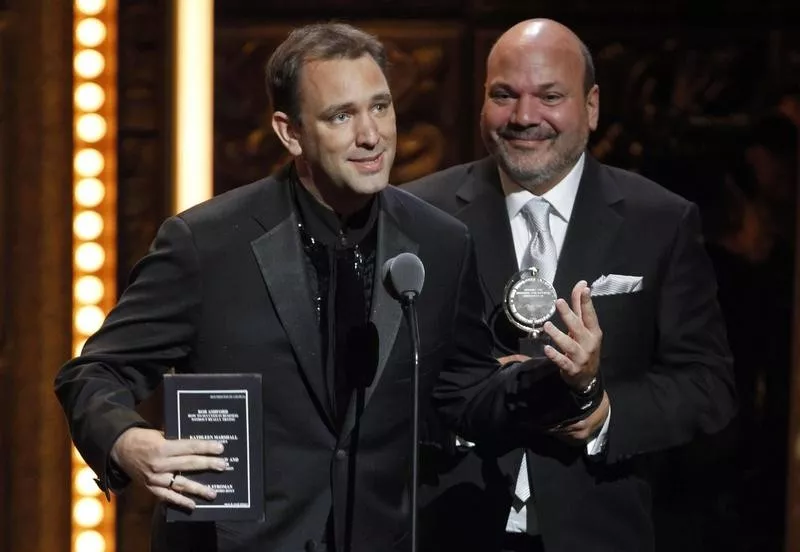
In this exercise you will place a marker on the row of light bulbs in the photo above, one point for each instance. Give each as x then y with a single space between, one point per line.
92 515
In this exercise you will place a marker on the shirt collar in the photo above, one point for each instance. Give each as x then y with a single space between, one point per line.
561 196
326 226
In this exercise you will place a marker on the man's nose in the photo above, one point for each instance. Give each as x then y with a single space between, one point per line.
367 132
526 112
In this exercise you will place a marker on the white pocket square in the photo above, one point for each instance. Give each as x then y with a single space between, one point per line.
615 284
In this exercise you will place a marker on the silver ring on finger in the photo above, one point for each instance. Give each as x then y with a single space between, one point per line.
171 481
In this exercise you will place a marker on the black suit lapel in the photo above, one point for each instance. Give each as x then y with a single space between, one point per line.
486 216
387 314
280 256
594 224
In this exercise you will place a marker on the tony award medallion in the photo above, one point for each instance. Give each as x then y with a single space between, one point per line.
529 302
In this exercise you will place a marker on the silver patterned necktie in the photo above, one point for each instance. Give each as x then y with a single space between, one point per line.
542 248
542 255
522 492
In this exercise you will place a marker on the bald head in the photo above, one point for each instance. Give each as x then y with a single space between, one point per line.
540 104
535 34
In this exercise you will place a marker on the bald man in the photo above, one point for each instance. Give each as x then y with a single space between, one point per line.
663 356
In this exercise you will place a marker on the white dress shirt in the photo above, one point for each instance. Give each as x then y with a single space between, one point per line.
562 199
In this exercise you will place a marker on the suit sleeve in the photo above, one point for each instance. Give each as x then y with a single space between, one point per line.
689 389
149 331
475 397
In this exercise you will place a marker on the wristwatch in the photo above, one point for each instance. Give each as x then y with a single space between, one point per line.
589 390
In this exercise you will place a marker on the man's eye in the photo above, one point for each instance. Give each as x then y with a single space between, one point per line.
340 118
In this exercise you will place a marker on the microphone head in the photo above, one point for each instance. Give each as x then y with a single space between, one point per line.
404 275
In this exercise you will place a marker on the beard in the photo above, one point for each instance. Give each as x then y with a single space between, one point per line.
541 168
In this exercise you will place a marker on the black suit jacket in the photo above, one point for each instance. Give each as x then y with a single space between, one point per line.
225 289
665 362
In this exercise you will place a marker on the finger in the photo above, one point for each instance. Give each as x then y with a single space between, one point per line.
561 428
190 463
571 320
590 320
569 428
579 437
569 346
513 358
184 447
172 497
578 431
576 297
186 486
158 479
574 427
561 360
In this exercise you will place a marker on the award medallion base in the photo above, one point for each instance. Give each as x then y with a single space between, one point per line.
534 346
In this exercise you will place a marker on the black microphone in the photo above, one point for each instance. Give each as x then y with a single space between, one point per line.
403 277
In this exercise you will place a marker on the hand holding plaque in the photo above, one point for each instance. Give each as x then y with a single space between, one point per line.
224 408
529 301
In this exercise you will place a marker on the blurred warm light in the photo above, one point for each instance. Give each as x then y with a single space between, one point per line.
89 162
88 225
89 257
89 192
88 512
94 188
89 63
193 99
91 127
90 541
89 290
84 482
90 32
76 456
88 319
78 349
89 96
90 7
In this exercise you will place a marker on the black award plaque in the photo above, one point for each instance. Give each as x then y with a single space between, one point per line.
225 408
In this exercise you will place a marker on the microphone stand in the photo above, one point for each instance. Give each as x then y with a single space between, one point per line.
411 315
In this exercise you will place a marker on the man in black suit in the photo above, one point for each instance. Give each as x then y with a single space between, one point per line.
283 277
664 358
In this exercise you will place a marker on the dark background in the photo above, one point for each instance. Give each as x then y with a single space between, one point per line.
683 86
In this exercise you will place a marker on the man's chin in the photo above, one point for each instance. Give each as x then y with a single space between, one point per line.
369 184
531 164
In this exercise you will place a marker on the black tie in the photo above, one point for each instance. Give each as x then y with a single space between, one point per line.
355 347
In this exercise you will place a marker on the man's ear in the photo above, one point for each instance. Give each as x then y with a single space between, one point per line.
287 132
593 107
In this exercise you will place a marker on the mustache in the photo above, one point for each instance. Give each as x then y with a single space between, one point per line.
530 133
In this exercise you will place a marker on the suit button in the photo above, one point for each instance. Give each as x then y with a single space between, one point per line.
341 454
